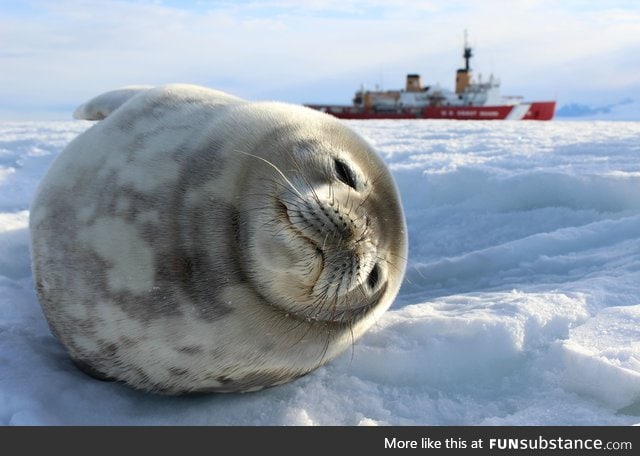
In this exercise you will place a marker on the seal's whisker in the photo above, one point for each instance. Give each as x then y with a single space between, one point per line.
377 178
276 168
397 255
332 195
303 175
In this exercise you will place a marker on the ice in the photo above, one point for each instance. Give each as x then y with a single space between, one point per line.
521 304
603 356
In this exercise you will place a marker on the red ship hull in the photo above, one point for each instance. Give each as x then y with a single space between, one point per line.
539 110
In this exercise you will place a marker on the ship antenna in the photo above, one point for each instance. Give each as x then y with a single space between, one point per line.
467 52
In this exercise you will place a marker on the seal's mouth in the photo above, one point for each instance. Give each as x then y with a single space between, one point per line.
341 293
348 316
343 317
284 214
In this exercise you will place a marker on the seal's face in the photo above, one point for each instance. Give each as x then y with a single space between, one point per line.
330 242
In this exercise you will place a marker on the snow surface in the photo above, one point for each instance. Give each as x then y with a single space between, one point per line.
521 304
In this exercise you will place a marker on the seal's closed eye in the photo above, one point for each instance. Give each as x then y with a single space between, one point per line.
344 173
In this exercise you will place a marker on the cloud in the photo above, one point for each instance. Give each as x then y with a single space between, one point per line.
62 52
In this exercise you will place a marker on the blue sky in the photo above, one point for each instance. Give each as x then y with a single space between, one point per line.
56 54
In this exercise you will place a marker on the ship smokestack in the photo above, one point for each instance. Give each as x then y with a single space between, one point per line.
463 80
414 83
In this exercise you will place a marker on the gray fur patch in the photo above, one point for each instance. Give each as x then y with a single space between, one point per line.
190 350
178 372
89 370
254 382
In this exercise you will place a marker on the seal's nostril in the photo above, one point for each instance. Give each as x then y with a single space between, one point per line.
374 277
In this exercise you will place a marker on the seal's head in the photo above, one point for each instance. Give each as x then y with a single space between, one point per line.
325 230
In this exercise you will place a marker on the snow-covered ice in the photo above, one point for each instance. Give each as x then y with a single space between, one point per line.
521 304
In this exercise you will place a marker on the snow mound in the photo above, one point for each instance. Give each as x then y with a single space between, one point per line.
465 343
603 356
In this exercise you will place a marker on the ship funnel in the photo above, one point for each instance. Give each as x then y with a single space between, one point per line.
414 83
463 80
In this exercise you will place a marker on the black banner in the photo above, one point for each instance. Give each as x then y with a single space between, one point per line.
329 441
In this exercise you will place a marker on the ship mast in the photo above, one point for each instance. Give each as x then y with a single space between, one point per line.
463 75
467 53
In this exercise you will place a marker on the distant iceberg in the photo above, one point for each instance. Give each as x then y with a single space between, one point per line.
627 109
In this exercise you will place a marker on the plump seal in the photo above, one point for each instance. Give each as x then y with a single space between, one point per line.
191 241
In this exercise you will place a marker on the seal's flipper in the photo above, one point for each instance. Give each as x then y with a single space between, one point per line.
101 106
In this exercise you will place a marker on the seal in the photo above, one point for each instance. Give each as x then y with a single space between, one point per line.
192 241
